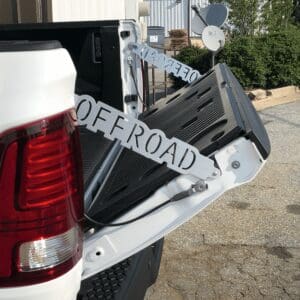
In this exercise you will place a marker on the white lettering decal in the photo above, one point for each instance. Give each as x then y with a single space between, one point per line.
163 62
135 135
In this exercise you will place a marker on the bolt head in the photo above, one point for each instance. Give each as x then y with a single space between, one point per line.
235 164
215 174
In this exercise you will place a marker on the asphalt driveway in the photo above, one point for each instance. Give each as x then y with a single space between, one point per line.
246 244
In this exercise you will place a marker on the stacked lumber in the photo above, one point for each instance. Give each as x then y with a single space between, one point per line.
178 38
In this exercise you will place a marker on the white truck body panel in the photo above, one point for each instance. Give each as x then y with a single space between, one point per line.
34 86
117 243
64 287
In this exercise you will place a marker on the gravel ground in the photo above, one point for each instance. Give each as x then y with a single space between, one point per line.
246 244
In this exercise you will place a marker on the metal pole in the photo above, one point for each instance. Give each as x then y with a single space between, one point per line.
147 92
153 86
166 78
15 14
189 21
213 59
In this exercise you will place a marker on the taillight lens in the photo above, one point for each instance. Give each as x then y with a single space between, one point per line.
41 201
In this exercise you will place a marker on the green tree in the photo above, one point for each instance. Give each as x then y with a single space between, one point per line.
269 60
248 17
296 13
243 16
245 56
277 15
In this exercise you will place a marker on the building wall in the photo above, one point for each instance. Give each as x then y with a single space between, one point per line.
81 10
171 14
7 13
21 11
84 10
33 11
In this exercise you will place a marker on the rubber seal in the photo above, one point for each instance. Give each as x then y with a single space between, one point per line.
25 45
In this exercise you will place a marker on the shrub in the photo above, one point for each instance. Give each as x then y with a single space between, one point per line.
195 57
263 61
243 55
282 58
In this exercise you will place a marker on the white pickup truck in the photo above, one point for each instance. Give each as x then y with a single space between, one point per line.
82 217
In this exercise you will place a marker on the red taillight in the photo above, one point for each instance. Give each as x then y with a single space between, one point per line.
41 201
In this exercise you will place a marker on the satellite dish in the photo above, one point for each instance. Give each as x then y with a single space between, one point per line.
197 25
213 38
214 14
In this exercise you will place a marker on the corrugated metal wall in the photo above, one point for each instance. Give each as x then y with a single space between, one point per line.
171 14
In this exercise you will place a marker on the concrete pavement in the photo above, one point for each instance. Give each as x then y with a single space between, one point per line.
246 244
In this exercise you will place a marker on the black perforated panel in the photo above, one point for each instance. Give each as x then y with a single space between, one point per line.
127 280
208 114
94 147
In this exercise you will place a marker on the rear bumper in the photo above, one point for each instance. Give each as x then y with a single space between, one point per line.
65 287
128 279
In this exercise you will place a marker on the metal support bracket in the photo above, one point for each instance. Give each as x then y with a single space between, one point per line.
239 162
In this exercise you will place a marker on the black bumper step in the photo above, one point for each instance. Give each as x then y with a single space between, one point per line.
127 280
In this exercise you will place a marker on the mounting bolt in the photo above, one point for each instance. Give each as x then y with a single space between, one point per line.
130 60
235 164
215 174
